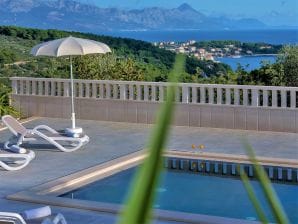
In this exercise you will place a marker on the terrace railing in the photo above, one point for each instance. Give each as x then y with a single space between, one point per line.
188 93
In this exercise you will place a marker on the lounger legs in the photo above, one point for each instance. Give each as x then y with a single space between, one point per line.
59 219
55 141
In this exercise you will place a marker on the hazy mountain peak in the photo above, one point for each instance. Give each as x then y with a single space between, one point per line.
185 7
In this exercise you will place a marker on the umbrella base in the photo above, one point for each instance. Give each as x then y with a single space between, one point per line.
74 132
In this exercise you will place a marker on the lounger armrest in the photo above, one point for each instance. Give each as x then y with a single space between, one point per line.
45 127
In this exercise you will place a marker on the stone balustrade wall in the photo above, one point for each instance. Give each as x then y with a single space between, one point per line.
268 108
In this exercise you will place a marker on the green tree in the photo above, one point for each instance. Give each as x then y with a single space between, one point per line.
108 66
289 59
127 69
269 74
7 56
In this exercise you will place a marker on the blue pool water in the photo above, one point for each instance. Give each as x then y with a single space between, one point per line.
193 193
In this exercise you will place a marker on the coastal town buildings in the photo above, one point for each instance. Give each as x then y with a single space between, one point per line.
191 49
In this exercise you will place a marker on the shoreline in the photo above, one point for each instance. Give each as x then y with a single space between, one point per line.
258 55
252 55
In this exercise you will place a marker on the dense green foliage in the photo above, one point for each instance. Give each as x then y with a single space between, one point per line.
138 59
256 48
7 56
5 107
205 68
108 67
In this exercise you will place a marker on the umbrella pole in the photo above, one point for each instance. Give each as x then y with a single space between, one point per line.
73 131
73 115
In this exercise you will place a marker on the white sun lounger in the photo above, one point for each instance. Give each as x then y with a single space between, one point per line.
15 218
23 134
15 161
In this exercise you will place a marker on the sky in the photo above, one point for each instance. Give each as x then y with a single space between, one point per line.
272 12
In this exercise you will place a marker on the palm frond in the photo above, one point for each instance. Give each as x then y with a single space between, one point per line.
252 196
270 195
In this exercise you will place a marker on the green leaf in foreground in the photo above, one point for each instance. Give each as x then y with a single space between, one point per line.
270 195
138 207
252 196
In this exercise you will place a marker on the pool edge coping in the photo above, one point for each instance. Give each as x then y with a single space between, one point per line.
224 157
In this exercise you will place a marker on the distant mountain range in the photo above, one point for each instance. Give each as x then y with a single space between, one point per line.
76 16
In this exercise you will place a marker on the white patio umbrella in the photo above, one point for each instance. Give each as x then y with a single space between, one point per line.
70 46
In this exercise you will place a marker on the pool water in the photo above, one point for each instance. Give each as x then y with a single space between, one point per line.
193 193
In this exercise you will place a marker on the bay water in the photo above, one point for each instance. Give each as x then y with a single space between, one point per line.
249 63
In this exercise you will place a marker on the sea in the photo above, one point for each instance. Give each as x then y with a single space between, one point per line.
248 62
266 36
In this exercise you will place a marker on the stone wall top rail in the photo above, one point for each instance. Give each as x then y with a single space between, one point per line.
157 83
191 93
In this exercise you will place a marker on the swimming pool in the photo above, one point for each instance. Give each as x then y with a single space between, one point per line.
196 187
193 193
